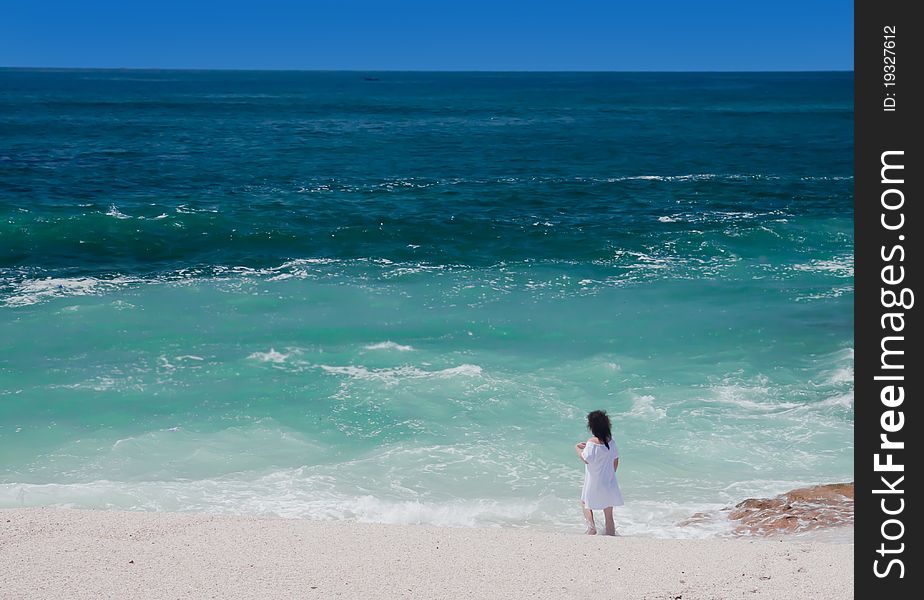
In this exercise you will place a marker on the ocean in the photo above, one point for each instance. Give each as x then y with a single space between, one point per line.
393 297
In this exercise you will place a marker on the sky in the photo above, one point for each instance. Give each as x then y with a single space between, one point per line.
470 35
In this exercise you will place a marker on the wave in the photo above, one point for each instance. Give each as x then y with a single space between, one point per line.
115 212
751 398
722 216
156 238
829 294
24 287
698 177
395 375
272 497
271 357
34 291
333 185
839 266
644 407
388 375
297 493
843 401
388 345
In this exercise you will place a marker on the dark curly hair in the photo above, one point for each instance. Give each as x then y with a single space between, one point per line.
598 422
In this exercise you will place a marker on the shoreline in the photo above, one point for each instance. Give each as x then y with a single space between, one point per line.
81 553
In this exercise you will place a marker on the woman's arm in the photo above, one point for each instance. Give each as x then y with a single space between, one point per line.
579 448
616 463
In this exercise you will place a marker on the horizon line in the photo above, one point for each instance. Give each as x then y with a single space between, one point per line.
379 70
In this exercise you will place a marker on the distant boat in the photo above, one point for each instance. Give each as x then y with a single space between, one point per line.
371 78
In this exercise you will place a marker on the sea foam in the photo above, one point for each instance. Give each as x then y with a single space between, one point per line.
388 345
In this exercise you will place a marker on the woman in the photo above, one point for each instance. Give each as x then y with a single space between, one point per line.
601 459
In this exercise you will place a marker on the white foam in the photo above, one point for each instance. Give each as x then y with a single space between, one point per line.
829 178
301 268
845 354
645 261
835 292
271 357
694 177
394 375
644 406
273 495
841 266
304 493
842 375
741 396
465 370
115 212
281 276
389 345
122 305
185 210
102 383
485 482
33 291
842 400
839 373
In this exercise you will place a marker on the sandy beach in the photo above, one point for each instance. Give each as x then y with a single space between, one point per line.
55 553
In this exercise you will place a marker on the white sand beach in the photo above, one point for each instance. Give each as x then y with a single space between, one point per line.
54 553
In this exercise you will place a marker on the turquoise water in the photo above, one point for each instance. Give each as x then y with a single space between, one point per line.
313 295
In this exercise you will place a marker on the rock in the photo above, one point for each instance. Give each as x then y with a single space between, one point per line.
802 509
798 510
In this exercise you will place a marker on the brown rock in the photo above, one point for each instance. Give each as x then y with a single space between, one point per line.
802 509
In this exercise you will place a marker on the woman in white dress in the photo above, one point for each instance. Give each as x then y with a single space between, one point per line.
601 459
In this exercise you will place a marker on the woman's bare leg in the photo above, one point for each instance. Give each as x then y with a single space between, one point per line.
589 517
610 524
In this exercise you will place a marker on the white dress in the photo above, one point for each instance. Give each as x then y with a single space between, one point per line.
600 487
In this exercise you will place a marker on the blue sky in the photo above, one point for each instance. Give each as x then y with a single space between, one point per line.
566 35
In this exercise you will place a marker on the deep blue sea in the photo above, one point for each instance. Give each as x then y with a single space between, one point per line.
393 297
